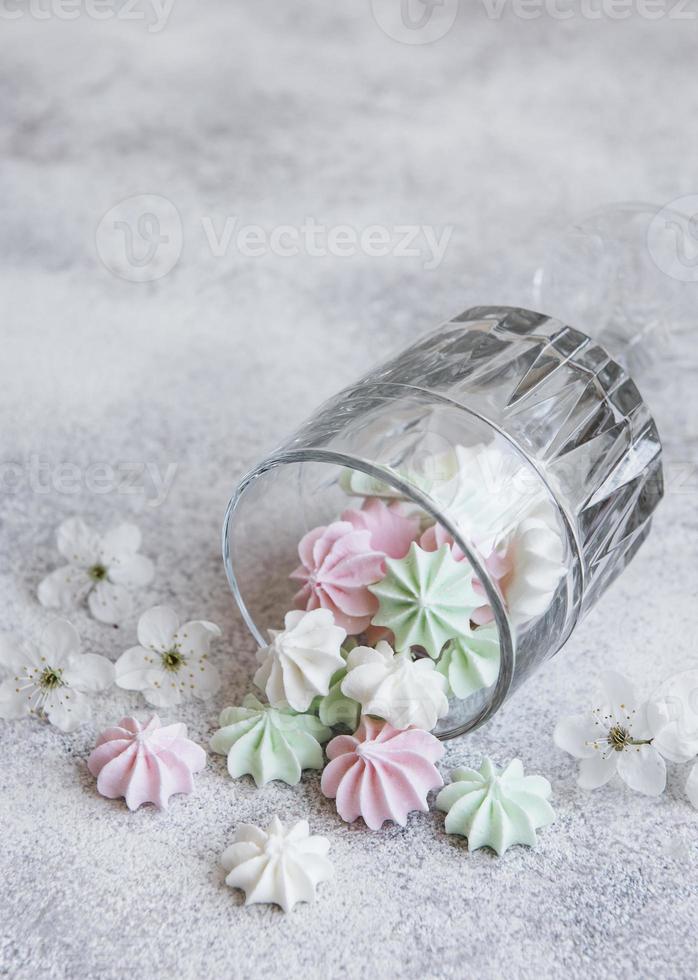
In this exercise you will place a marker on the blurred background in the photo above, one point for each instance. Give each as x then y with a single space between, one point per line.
215 214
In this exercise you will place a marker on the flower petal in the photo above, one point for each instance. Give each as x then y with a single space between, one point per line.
121 541
64 588
597 770
135 670
132 571
90 673
67 714
643 769
78 543
58 642
618 690
13 703
673 717
109 603
157 628
194 638
574 735
163 697
206 679
12 656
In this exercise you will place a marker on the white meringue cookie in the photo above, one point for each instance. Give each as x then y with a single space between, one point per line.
277 866
500 505
395 687
301 660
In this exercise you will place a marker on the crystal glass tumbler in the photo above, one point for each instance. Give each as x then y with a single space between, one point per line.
517 441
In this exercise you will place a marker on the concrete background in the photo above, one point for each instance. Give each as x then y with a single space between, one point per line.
505 128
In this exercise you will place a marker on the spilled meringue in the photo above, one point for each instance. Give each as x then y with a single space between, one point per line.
145 763
269 743
277 866
381 773
494 808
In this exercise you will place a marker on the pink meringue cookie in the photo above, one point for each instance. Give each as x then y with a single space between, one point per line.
499 563
381 773
391 532
436 537
338 563
145 764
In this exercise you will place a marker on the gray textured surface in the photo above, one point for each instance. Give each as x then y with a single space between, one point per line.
503 128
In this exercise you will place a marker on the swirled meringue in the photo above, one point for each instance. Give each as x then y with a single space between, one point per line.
269 743
403 691
335 709
381 773
471 661
391 531
145 764
500 507
426 599
277 866
301 660
535 551
338 562
496 809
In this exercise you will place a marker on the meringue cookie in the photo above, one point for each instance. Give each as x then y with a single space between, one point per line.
269 743
391 532
145 764
485 491
499 505
335 709
301 660
496 809
277 866
535 552
471 662
403 691
426 599
381 773
338 562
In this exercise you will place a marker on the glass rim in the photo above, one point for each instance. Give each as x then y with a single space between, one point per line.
506 633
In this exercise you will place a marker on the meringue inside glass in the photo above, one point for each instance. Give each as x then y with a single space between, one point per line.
452 551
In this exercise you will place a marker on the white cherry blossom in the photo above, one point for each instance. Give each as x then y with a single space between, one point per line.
614 738
171 662
53 679
103 569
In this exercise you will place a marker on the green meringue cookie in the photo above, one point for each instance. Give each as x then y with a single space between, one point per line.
496 809
471 662
269 743
335 709
426 599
